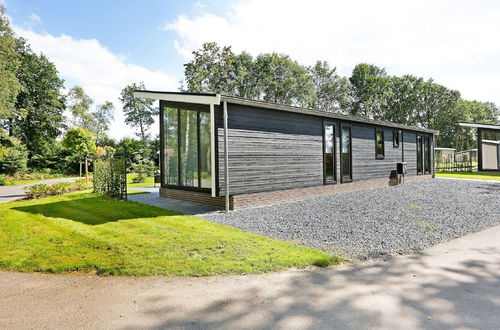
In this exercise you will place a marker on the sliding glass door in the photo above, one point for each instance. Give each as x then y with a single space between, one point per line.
346 154
186 148
329 153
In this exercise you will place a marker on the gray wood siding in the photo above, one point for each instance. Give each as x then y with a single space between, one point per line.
364 164
270 150
410 145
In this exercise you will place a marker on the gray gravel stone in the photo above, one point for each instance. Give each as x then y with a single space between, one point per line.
380 222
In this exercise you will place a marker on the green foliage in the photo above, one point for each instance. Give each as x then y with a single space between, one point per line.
143 168
13 154
97 121
43 190
371 86
41 101
79 103
333 92
110 177
9 62
80 143
139 112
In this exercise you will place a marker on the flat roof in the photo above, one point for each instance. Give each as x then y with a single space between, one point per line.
479 125
215 99
440 148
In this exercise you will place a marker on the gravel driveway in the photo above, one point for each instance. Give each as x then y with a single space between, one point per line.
379 222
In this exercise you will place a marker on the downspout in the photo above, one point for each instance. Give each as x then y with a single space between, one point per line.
212 148
226 160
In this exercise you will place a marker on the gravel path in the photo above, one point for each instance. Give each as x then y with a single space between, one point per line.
380 222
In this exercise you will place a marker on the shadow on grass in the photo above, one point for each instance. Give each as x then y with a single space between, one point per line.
95 210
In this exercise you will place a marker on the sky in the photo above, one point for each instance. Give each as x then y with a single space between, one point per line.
105 45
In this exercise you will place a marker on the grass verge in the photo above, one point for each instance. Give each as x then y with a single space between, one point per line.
470 175
86 232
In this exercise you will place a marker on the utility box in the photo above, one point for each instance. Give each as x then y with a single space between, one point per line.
401 168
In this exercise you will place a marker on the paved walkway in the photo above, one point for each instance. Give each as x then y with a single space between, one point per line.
153 198
9 193
451 285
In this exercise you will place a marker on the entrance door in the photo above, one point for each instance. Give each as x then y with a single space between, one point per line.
346 154
329 153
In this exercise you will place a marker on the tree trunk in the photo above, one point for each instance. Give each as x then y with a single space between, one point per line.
80 163
86 169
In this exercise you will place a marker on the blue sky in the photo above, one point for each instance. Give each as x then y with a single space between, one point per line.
104 45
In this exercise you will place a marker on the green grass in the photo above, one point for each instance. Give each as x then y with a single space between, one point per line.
86 232
148 183
470 175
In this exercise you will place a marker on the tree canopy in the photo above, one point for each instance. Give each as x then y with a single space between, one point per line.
139 112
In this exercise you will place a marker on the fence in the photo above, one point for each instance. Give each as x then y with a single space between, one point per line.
110 175
454 167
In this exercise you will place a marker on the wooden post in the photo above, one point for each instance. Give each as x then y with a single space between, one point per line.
86 169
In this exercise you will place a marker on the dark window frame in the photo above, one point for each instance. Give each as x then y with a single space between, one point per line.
334 124
379 156
342 180
163 144
396 138
420 155
427 155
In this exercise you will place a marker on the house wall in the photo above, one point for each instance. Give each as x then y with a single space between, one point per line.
270 150
273 150
364 164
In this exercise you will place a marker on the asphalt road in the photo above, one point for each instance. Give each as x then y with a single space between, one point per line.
9 193
450 285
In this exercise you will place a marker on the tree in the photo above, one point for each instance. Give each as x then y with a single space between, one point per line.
9 62
370 87
41 101
211 70
79 103
139 112
102 118
80 144
13 154
281 80
333 92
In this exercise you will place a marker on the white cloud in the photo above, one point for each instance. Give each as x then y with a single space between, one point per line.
101 73
455 42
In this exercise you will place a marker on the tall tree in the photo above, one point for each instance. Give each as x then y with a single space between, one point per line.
210 70
279 79
371 87
80 144
79 104
102 117
139 112
41 100
9 62
333 92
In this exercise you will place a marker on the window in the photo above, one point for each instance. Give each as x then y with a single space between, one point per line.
329 152
345 154
396 138
427 155
379 144
186 148
420 155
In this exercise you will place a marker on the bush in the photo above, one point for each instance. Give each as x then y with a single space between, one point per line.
42 190
4 180
37 191
13 154
109 177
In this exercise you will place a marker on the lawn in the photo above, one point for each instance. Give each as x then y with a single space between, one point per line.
86 232
470 175
148 183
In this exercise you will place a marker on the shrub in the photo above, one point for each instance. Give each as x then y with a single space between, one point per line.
42 190
4 179
109 177
13 154
37 191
